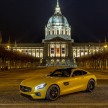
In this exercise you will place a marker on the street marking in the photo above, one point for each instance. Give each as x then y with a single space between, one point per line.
60 104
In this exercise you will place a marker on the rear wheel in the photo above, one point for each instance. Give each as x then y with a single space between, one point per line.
91 86
53 92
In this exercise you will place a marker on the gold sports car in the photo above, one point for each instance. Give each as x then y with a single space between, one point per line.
60 82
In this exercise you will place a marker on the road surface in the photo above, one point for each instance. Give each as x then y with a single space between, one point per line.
10 97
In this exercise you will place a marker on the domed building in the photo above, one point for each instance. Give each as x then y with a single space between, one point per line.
58 40
58 48
58 26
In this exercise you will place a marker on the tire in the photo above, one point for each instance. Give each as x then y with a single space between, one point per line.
90 85
53 93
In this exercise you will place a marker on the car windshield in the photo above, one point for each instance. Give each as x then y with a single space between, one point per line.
61 73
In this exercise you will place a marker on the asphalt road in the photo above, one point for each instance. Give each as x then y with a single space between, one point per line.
10 97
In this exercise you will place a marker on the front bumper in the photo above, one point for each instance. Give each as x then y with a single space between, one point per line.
38 94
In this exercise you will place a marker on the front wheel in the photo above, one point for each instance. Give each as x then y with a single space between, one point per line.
90 86
53 92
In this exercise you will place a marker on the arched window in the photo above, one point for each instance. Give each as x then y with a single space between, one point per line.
66 32
57 32
63 50
53 32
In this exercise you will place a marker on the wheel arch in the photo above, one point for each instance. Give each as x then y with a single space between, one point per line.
50 86
89 81
92 79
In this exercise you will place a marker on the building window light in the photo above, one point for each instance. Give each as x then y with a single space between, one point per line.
52 50
63 50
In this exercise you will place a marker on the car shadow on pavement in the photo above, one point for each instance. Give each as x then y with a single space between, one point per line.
59 99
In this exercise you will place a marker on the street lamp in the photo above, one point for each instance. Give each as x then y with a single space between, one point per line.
8 47
105 46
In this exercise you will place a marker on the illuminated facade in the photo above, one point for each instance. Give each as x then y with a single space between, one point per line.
58 48
58 40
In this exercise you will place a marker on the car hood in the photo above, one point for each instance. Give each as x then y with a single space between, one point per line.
31 82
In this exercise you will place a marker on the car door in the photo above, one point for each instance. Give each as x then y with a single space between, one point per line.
72 83
65 85
77 81
65 82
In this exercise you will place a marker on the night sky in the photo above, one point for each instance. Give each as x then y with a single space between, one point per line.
25 20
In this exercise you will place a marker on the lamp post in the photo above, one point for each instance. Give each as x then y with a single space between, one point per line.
105 46
105 60
8 47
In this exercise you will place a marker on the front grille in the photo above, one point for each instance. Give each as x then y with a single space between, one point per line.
25 89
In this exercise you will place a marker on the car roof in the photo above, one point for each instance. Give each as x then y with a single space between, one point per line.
66 68
71 68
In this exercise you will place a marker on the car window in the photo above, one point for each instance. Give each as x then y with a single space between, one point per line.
77 73
84 73
61 73
58 73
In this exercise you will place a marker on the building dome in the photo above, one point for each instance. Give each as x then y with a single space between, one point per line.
57 26
58 20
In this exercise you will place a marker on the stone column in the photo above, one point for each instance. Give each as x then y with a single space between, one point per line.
31 51
39 52
55 49
49 50
35 52
80 51
67 50
60 50
84 51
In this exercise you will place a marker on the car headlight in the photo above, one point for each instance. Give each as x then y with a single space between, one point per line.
41 86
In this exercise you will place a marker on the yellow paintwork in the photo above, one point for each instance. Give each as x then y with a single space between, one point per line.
78 83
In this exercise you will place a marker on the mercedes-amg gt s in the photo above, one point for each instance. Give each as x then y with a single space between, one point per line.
60 82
